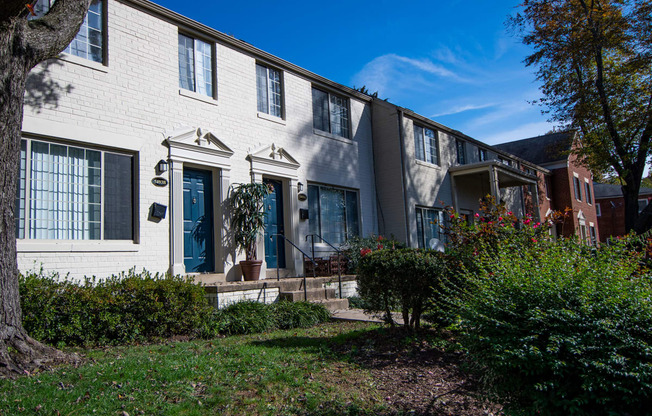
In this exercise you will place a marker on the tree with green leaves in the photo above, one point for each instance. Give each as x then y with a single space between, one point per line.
23 44
594 60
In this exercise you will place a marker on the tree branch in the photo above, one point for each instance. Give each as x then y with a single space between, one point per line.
46 37
12 8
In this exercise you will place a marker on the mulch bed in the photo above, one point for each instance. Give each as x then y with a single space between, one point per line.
417 378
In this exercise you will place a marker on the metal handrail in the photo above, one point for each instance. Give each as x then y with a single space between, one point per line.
339 256
314 263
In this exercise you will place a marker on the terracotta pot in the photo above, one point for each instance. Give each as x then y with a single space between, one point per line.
251 269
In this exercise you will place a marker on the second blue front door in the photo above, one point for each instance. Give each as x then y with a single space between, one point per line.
198 247
274 245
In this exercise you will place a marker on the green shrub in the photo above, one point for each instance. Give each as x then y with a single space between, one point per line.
402 279
125 308
290 315
560 328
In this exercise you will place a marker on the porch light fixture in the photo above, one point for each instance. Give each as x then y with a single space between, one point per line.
300 186
161 166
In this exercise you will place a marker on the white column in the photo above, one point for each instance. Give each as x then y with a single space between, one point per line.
292 228
176 218
493 182
224 256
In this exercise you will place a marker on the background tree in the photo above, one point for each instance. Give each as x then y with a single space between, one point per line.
594 59
23 44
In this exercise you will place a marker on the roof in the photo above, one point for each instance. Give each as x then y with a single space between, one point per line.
544 149
605 190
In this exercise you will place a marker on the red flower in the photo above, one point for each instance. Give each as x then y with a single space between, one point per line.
534 240
364 251
379 247
477 215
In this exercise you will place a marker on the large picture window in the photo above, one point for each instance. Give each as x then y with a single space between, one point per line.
330 113
268 84
333 213
88 43
195 65
74 193
425 142
429 226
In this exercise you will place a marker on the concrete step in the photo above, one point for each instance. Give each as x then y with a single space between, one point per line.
312 294
334 304
297 284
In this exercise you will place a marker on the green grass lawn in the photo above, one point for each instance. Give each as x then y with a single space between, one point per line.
279 373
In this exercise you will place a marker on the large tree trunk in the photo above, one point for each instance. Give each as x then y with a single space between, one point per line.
23 44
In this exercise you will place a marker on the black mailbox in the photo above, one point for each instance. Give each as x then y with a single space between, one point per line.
158 211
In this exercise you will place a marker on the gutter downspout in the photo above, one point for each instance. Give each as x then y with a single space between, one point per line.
403 179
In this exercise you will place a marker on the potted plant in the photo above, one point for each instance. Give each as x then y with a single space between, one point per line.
247 221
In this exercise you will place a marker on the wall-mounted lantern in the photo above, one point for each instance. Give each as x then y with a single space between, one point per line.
300 186
161 166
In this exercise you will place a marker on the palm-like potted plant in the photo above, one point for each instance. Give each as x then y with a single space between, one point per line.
247 221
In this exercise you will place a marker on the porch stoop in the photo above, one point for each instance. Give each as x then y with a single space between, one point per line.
322 290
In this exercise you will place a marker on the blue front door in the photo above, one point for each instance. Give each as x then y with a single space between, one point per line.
274 245
198 247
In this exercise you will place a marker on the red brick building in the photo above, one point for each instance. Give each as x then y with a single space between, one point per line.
610 206
568 187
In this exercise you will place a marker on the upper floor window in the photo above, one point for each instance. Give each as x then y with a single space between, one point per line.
548 184
504 161
587 192
88 43
333 213
426 147
577 188
642 203
330 113
482 154
74 193
461 152
598 210
195 65
268 85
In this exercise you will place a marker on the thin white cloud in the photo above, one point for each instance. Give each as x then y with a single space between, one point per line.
463 108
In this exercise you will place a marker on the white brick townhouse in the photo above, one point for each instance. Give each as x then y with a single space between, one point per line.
132 138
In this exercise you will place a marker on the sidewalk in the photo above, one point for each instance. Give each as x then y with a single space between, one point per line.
360 315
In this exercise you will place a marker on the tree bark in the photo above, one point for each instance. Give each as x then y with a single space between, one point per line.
23 44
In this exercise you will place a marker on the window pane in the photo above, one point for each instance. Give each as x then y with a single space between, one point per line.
118 192
352 223
88 42
461 152
274 92
430 146
313 209
186 63
261 86
320 110
333 222
418 143
204 68
19 213
339 116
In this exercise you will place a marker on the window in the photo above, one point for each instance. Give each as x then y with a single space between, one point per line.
74 193
577 188
195 65
429 223
333 213
482 154
426 147
88 43
583 232
642 203
268 84
598 209
587 192
594 237
461 152
504 161
330 113
548 184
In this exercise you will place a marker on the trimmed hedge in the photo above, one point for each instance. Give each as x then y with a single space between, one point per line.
135 307
400 279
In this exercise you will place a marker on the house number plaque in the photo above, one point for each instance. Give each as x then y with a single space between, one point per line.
160 181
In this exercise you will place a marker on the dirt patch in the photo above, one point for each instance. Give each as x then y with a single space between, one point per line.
416 377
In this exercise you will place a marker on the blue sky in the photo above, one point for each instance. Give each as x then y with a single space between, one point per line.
449 60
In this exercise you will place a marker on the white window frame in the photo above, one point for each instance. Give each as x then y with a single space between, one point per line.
270 92
577 188
420 216
198 44
598 209
346 107
587 192
346 223
423 149
483 154
25 184
460 151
